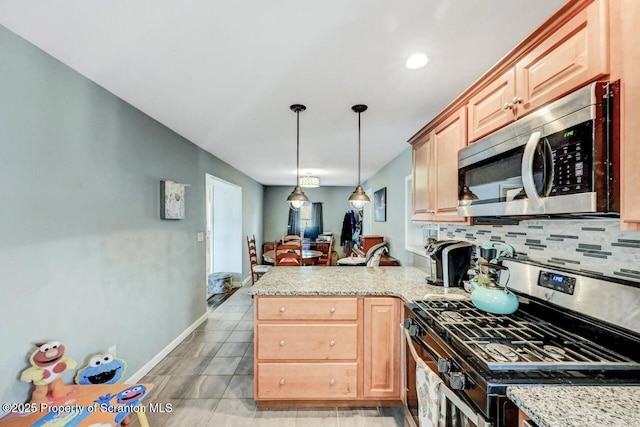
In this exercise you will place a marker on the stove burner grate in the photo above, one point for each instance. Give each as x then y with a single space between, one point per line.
518 341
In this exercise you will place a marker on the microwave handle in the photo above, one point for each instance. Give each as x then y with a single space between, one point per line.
535 202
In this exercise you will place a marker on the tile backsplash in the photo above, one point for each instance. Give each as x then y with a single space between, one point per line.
594 246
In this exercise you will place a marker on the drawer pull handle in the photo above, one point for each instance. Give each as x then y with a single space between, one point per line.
281 309
332 343
282 381
332 310
332 382
282 343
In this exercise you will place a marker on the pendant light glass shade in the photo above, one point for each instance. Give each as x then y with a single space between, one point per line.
359 198
297 198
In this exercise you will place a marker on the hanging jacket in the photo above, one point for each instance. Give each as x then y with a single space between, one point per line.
347 233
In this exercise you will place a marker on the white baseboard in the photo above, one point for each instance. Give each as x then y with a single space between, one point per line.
138 375
246 281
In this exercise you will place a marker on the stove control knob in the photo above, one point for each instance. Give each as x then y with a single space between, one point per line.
407 323
444 365
456 380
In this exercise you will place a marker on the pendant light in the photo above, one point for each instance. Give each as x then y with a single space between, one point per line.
467 197
359 198
297 198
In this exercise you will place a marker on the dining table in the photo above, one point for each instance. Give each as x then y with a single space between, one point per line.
309 257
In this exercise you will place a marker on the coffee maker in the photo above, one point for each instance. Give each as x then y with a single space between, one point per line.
452 260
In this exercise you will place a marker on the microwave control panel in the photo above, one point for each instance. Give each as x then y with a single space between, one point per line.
572 159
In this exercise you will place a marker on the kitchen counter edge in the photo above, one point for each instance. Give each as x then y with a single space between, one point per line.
408 283
578 406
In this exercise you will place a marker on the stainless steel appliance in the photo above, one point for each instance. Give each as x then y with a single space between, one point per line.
561 159
571 328
452 260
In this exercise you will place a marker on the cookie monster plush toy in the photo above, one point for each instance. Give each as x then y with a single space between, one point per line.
102 369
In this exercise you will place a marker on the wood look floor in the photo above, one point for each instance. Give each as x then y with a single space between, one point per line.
208 380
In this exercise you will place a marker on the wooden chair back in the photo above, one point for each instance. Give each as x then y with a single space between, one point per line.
288 254
325 259
291 238
257 270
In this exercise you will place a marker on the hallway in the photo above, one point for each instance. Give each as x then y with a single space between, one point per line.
208 380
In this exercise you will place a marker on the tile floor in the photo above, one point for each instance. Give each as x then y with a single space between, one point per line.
208 380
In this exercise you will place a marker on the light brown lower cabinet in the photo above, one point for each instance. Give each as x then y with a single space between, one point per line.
327 351
381 343
524 420
292 381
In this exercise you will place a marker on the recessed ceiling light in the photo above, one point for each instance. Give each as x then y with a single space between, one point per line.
416 61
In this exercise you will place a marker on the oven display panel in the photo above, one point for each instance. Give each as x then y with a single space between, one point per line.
557 282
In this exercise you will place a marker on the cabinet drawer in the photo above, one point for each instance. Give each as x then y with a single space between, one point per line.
306 380
307 342
307 308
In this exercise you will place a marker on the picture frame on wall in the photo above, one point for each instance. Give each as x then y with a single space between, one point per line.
380 205
171 200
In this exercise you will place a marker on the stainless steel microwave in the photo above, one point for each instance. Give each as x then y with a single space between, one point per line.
561 159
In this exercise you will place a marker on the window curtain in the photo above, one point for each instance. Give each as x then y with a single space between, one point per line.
294 223
316 216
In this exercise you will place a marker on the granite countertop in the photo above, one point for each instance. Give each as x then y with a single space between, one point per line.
408 283
578 406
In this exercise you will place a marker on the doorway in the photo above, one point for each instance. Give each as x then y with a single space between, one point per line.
224 227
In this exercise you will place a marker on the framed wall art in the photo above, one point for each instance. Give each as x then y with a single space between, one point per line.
171 200
380 205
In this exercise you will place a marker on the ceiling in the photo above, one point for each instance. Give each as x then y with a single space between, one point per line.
224 73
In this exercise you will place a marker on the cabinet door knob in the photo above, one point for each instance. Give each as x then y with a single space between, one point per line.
332 382
282 343
517 100
507 106
281 309
332 310
282 381
332 343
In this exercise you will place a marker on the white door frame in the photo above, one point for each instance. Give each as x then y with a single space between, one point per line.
226 225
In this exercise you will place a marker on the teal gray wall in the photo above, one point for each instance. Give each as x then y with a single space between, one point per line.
392 176
334 205
84 256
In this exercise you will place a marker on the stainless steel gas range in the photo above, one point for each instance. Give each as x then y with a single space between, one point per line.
570 329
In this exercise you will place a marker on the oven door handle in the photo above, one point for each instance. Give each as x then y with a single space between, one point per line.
474 417
432 352
534 201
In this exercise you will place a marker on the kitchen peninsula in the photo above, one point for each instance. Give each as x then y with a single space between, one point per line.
331 335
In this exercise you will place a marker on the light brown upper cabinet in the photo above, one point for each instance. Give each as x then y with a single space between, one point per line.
570 57
422 178
624 16
584 41
435 170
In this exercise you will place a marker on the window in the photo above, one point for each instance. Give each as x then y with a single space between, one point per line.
309 217
306 215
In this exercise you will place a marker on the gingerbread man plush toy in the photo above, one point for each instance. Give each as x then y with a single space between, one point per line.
48 363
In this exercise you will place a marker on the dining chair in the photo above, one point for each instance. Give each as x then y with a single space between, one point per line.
257 270
291 238
288 254
325 259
